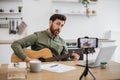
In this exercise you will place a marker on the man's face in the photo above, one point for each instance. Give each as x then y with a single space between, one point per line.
56 26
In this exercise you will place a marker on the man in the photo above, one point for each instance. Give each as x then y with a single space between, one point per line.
44 39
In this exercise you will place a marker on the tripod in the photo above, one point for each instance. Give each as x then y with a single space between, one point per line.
86 70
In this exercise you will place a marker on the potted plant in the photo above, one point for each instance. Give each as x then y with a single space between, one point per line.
19 8
85 3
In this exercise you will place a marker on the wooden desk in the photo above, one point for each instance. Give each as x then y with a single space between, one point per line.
112 72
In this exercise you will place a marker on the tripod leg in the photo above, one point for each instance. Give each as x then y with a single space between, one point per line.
86 68
84 73
92 74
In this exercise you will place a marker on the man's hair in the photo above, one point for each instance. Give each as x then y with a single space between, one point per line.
58 16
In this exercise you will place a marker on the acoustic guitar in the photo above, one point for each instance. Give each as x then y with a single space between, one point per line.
44 55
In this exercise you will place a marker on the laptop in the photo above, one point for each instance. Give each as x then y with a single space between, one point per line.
104 54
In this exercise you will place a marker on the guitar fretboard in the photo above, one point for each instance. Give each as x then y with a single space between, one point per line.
81 51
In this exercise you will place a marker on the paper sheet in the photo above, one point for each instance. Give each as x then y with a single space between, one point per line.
59 68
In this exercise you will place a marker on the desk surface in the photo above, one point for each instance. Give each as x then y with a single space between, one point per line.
112 72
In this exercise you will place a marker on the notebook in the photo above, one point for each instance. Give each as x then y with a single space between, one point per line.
104 54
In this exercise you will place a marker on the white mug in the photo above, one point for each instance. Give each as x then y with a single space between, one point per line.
35 66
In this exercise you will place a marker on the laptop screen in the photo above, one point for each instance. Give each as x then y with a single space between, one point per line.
105 54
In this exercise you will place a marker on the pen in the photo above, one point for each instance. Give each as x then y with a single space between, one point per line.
54 65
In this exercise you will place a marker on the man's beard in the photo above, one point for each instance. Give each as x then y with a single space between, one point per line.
54 32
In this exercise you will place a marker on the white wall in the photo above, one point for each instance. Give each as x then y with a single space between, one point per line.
36 14
6 5
107 18
5 53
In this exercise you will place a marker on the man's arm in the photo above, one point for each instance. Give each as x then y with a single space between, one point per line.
18 45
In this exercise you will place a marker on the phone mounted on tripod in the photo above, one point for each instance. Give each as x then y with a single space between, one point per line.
87 42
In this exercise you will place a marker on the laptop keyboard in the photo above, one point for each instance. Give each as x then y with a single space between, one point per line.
90 63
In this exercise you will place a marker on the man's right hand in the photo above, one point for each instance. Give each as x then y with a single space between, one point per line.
27 59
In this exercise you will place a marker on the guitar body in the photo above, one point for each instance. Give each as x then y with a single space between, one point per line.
43 53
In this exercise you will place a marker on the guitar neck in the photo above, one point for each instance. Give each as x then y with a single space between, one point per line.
58 57
81 51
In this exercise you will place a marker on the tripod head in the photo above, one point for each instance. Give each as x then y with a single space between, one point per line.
88 50
88 44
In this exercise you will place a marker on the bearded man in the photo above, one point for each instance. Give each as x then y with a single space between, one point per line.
48 38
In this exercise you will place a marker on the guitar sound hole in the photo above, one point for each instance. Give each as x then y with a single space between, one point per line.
42 59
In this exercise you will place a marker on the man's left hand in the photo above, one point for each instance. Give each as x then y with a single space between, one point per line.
75 56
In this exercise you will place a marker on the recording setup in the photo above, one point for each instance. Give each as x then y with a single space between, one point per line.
87 44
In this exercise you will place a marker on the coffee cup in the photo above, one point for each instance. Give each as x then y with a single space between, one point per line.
35 66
